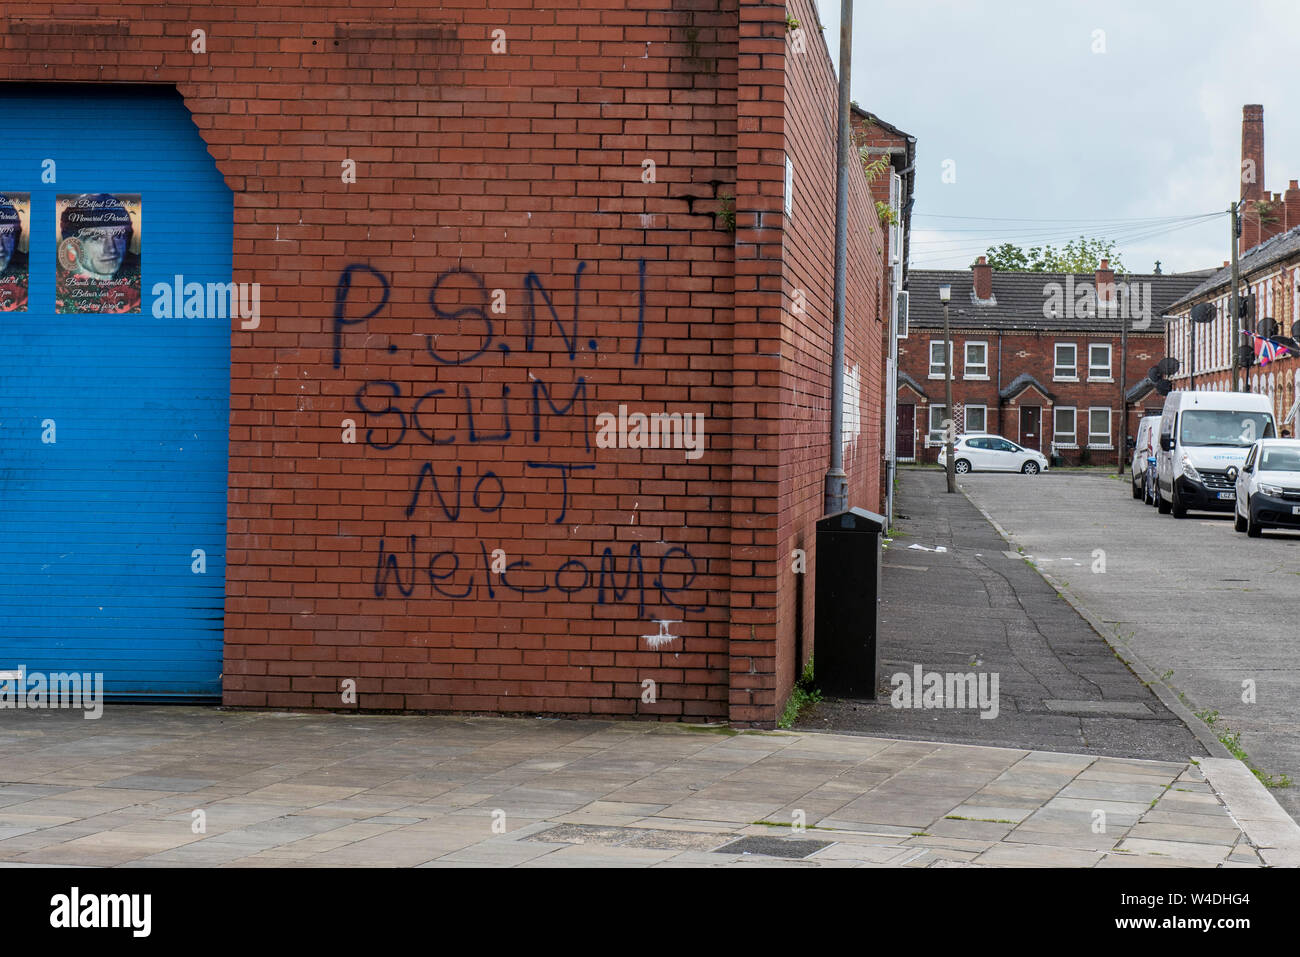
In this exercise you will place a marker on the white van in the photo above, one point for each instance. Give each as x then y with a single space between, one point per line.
1204 439
1144 448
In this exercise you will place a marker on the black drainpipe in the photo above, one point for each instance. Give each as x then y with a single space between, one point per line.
1000 432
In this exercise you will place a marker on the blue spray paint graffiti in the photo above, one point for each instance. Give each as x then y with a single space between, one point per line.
394 418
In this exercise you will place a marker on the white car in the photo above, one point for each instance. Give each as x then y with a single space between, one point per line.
1268 487
992 453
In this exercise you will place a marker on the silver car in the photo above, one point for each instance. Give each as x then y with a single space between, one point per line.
1268 487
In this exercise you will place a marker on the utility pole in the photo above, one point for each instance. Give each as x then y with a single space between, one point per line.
1121 439
950 427
1234 307
835 499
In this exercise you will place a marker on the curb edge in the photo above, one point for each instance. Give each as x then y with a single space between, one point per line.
1167 696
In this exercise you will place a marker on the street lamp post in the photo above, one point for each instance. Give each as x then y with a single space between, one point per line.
950 423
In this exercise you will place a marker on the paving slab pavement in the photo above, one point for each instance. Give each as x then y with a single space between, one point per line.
1204 614
563 793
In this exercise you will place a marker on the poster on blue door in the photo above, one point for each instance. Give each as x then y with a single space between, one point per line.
15 219
98 242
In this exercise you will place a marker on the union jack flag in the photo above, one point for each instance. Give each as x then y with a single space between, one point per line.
1266 349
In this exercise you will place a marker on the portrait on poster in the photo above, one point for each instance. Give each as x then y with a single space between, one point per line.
97 237
15 222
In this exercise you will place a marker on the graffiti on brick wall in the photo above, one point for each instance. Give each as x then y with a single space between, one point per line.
556 399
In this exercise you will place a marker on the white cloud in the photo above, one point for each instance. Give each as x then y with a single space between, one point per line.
1041 127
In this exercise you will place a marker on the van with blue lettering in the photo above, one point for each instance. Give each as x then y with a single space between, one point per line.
1204 439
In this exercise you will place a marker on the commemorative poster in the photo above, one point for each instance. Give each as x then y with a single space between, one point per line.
97 236
15 230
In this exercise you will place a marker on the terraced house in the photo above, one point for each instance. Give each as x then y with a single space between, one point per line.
1040 358
1269 274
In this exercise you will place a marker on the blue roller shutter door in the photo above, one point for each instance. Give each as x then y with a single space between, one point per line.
113 521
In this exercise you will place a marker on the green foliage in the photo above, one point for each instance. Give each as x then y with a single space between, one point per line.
888 215
982 820
1266 211
1232 741
803 695
874 168
727 212
1077 256
791 23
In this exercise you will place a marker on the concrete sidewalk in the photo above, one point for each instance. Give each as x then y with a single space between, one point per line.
956 599
157 786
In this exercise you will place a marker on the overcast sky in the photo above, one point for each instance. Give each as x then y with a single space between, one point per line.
1040 127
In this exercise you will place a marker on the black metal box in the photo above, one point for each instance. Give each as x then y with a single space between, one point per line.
846 654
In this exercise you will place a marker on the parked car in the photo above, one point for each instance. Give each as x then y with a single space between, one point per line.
1144 452
1202 436
1268 487
1150 492
981 452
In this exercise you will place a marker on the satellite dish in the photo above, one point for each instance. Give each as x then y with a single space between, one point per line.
1245 356
1266 327
1205 312
1164 387
1154 374
1167 366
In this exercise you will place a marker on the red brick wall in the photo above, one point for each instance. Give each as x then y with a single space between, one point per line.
878 141
810 140
1034 354
487 263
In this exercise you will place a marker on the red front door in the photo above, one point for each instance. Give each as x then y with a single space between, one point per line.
905 444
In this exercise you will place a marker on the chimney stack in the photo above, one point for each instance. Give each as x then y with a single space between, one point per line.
1291 198
1252 175
1276 217
1252 152
1105 280
983 279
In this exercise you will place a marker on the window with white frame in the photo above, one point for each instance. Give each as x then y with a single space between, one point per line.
1063 425
1066 361
936 358
1099 427
977 360
938 415
977 418
1099 360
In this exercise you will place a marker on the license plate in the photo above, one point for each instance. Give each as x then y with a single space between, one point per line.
1230 496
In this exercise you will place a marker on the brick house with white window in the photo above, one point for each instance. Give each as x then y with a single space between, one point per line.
1037 357
1269 274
